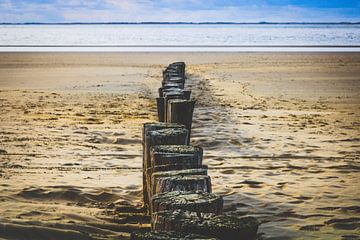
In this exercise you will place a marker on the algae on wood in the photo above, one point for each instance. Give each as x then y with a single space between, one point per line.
147 143
185 172
143 235
182 183
195 201
221 226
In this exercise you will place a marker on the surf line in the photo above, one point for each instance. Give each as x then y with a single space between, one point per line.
177 190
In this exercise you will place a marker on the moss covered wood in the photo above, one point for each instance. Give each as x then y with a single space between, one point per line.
220 226
175 154
167 160
185 172
148 127
178 149
200 202
169 88
147 235
172 157
182 183
164 91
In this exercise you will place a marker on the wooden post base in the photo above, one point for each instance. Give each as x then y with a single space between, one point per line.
222 227
200 202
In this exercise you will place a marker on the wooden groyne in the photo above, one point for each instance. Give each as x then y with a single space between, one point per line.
177 189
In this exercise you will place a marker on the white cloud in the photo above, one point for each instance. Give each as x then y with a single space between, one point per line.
162 10
5 4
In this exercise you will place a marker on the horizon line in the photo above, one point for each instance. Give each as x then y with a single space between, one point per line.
180 46
189 23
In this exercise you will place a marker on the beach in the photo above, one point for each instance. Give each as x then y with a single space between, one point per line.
280 133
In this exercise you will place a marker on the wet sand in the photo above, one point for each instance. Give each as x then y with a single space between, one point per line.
280 133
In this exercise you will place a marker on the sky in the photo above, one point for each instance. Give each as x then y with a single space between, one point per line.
18 11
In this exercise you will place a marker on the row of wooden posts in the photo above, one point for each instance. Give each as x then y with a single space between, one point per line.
176 187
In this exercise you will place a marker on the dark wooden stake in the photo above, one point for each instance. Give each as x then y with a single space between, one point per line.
182 183
167 155
167 136
200 202
160 103
147 235
185 172
221 227
180 111
148 127
172 154
171 95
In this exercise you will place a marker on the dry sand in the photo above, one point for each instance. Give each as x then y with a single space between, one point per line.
280 133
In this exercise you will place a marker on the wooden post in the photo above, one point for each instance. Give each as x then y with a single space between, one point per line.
168 136
172 154
177 168
176 83
182 183
180 111
174 79
146 235
148 127
160 103
187 94
164 91
221 227
180 66
171 95
169 87
199 202
183 156
172 73
185 172
172 167
176 187
166 85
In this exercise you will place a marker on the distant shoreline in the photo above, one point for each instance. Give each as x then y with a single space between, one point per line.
185 46
184 23
138 48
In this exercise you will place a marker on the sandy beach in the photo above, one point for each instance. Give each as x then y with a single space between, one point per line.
280 133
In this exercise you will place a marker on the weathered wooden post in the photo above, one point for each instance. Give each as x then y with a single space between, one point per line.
180 66
220 226
167 136
160 103
183 156
176 187
145 235
180 111
171 95
173 71
164 91
168 88
183 183
172 154
185 172
147 143
194 201
187 94
174 79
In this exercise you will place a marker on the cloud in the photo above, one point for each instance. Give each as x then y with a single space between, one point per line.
171 10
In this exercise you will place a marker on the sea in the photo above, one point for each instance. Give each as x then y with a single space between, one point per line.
339 37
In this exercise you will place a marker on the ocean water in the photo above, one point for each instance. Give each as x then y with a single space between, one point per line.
177 37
